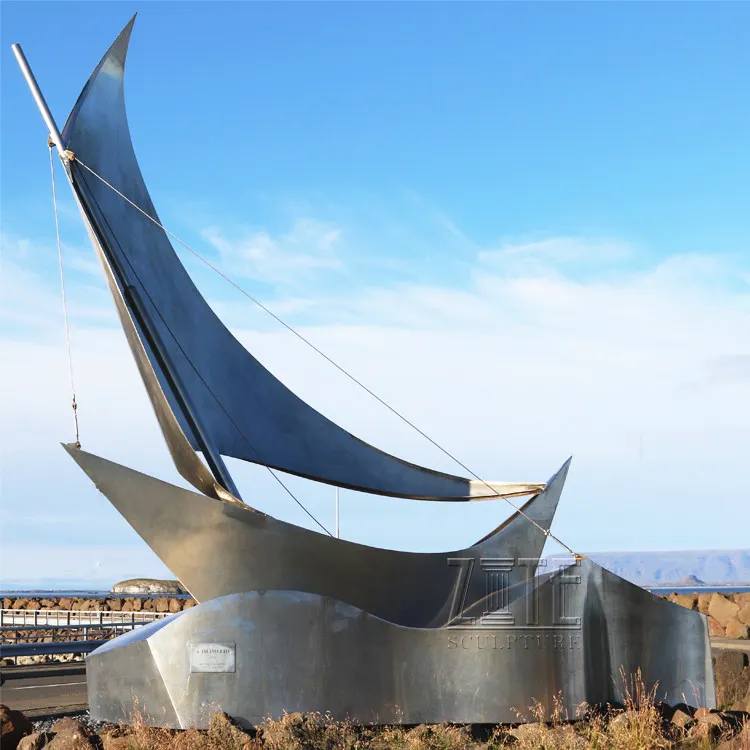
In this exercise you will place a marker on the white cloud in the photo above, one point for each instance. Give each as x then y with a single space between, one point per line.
642 375
32 298
290 258
556 250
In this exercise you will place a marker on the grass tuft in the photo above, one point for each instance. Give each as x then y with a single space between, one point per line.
640 723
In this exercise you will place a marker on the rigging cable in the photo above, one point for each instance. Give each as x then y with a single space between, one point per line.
197 372
64 296
351 377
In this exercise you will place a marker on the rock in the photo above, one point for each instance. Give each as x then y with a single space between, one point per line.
175 605
732 677
71 735
709 718
735 629
744 614
689 601
619 720
114 604
737 736
35 741
7 603
33 605
715 627
117 742
540 735
148 586
225 734
733 743
149 605
13 726
20 604
722 609
46 603
162 604
189 603
681 719
69 725
703 601
66 603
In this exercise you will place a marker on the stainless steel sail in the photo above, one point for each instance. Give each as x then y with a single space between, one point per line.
201 380
216 548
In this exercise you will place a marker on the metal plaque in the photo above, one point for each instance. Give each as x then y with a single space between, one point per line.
212 657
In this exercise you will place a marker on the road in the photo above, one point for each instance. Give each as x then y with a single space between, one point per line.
730 644
61 688
45 690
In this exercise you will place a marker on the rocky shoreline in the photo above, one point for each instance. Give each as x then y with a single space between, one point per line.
162 604
728 614
105 603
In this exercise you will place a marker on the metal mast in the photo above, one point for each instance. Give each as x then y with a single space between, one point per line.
212 456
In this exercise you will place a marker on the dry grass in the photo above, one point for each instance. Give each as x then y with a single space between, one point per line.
640 724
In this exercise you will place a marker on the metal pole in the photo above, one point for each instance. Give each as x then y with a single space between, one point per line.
337 512
36 92
213 457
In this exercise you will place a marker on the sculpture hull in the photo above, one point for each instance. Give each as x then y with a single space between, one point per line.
217 548
279 651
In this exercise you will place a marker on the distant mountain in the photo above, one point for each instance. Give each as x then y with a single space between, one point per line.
707 567
56 584
692 581
682 568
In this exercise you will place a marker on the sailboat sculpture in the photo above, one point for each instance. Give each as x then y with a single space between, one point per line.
291 619
211 395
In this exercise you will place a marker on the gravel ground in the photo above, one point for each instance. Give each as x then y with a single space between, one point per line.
45 725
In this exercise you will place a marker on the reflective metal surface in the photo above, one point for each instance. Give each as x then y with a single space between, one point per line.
236 407
293 620
303 652
217 548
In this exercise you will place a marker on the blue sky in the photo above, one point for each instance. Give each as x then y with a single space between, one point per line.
525 224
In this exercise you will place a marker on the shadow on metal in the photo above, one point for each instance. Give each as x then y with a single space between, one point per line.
290 651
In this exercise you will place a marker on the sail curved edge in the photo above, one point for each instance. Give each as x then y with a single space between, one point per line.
247 412
184 457
216 548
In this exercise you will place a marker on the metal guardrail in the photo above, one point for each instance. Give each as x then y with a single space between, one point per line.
47 649
54 618
730 644
4 629
66 622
